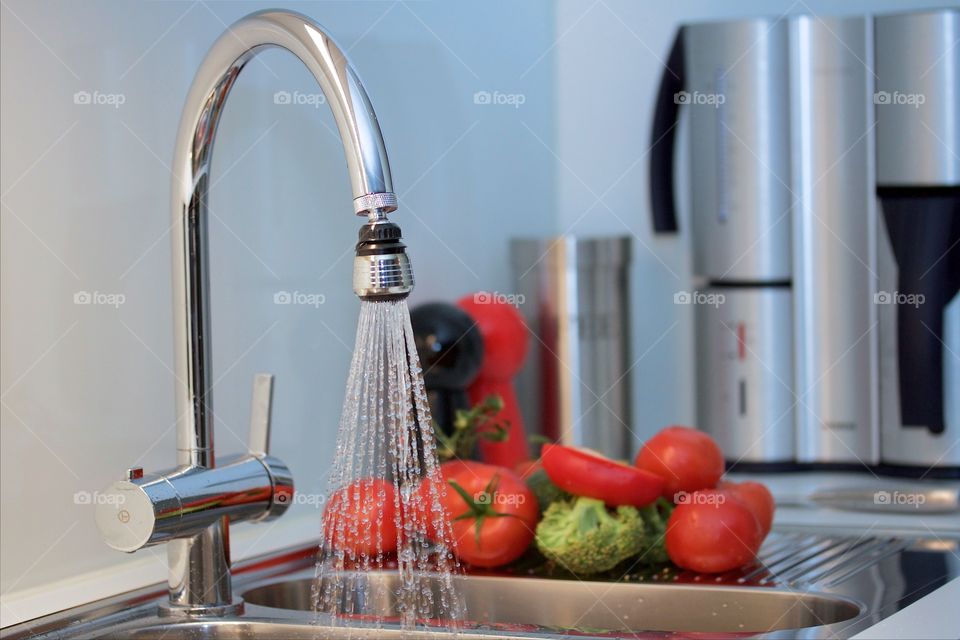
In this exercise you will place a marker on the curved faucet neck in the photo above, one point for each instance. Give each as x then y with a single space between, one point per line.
367 162
370 177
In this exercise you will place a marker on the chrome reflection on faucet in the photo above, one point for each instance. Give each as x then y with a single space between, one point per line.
191 506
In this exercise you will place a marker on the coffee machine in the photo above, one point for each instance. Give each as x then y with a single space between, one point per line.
824 178
918 238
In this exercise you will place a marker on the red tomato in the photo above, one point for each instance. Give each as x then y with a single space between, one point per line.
359 519
491 511
454 468
423 508
687 460
712 531
585 473
757 498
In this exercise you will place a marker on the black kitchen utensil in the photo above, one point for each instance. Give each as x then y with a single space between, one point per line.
451 351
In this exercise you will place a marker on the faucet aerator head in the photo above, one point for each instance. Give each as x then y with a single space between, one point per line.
381 268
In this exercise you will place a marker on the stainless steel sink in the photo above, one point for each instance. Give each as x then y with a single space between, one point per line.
532 604
804 586
276 630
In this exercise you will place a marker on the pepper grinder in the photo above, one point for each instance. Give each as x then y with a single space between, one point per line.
505 348
451 351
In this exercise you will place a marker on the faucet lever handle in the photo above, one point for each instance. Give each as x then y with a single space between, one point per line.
261 405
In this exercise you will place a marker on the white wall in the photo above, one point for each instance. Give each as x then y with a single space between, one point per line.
609 63
87 390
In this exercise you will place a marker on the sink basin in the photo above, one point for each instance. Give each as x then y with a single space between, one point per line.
517 603
277 630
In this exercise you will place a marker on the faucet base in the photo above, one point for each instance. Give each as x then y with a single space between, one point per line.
167 609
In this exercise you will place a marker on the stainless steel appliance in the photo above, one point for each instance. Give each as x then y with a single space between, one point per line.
918 237
574 295
824 180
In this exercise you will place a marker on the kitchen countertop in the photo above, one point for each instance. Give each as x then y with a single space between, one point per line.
935 616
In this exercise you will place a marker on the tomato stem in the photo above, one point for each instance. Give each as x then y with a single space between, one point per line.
480 507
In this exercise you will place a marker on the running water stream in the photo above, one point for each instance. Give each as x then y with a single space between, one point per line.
386 479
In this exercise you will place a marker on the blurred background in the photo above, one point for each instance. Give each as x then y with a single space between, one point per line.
90 98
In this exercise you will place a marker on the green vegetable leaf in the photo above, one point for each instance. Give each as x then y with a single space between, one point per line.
480 421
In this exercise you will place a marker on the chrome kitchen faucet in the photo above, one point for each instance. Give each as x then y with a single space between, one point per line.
190 507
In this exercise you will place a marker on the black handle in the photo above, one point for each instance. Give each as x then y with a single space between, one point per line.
923 225
665 118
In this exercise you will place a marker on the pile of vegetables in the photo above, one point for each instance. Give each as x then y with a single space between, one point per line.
584 514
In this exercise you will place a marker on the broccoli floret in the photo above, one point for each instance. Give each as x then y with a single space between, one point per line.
655 518
584 537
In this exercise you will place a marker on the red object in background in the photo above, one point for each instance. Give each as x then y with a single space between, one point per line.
505 341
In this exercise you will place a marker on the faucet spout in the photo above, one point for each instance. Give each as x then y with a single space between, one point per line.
354 115
199 571
191 506
366 160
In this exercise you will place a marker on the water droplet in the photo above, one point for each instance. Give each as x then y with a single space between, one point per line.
386 433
